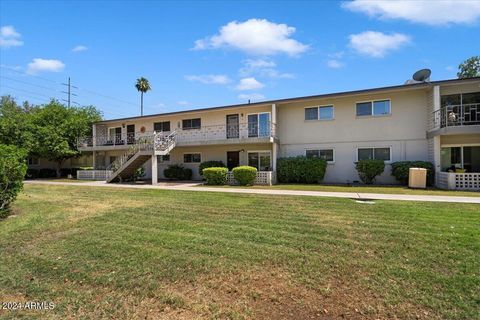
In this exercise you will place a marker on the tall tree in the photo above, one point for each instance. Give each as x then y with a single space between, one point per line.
142 86
469 68
16 127
57 128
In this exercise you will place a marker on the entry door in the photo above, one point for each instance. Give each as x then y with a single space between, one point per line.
232 126
233 159
130 133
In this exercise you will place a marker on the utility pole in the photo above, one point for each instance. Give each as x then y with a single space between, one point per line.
69 92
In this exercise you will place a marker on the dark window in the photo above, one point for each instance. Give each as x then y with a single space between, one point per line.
164 158
326 154
468 98
161 126
450 100
192 158
33 161
311 113
364 109
191 123
374 153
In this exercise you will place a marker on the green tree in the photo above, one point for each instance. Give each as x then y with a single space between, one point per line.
16 127
469 68
142 86
56 129
12 171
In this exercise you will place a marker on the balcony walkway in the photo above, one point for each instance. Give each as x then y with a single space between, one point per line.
192 186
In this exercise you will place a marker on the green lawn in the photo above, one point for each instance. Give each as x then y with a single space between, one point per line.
363 189
126 254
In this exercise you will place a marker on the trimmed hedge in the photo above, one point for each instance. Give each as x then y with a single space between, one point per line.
245 175
12 171
177 172
210 164
47 173
400 170
368 170
215 175
301 170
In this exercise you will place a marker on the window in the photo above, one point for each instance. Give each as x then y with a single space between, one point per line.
33 161
164 158
374 153
259 125
188 124
192 158
161 126
325 154
319 113
260 160
373 108
311 113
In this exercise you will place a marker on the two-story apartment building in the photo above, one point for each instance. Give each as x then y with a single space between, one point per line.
435 121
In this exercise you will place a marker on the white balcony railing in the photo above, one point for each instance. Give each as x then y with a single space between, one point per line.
455 115
203 134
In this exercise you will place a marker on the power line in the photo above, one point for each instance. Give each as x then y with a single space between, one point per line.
27 91
30 84
29 74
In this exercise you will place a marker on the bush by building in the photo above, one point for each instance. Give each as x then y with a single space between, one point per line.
400 170
12 171
215 175
368 170
301 170
245 175
177 172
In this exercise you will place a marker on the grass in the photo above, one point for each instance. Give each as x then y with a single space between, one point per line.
125 254
364 189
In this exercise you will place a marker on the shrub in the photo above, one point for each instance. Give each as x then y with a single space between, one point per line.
177 172
210 164
245 175
400 170
31 174
12 171
138 174
215 175
368 170
301 170
47 173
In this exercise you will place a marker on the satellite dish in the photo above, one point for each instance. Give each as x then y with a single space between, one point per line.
422 75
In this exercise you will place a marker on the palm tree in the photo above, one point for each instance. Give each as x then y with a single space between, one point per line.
142 86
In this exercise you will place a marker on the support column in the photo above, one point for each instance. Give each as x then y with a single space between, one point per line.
436 154
273 126
94 135
274 156
154 170
94 158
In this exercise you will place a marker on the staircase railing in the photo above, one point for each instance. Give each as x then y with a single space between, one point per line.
153 142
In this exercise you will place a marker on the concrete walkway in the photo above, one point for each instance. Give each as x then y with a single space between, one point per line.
196 187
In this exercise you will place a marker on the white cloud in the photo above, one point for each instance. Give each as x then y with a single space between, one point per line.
79 48
9 37
209 78
251 96
263 68
183 103
249 84
334 64
377 44
50 65
440 12
256 37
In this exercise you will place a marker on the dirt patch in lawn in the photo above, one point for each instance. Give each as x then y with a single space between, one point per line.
274 295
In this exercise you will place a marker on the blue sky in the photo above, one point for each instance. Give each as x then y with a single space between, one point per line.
201 54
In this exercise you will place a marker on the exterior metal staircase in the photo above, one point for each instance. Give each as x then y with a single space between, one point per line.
140 152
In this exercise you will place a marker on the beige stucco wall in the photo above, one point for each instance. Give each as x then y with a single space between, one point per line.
404 131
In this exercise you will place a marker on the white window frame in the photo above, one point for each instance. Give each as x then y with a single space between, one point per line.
187 129
258 122
108 131
33 164
193 152
153 125
323 148
261 151
371 114
318 112
377 147
461 146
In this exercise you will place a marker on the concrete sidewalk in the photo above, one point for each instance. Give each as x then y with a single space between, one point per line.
196 187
